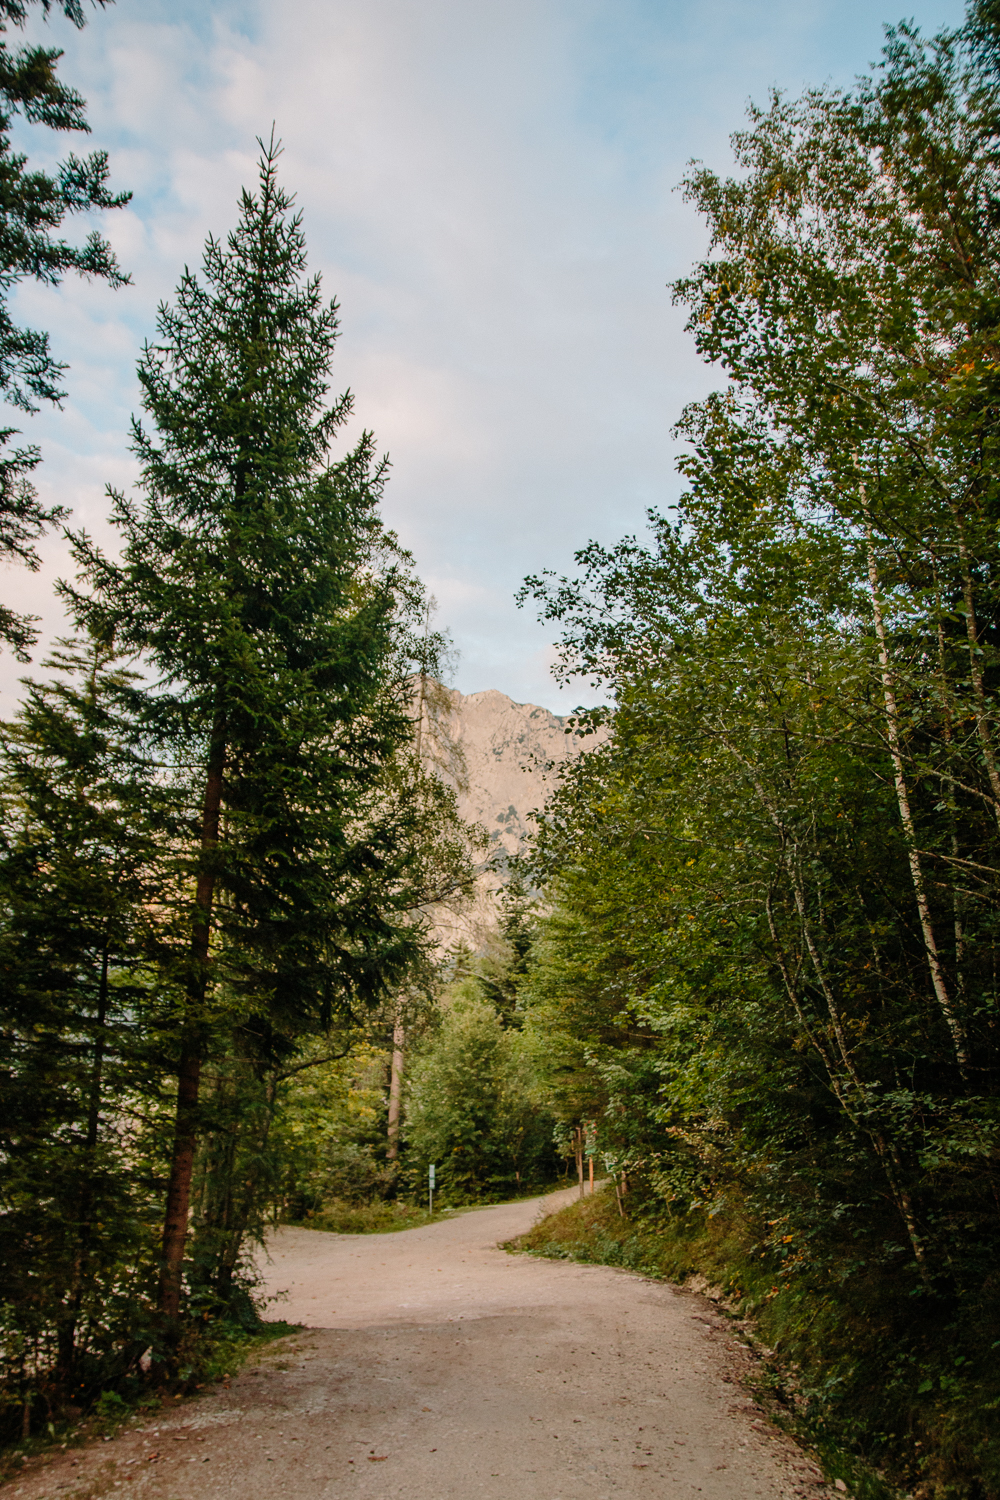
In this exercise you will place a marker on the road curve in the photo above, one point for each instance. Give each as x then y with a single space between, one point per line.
435 1366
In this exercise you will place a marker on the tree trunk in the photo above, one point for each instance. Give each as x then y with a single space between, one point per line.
903 801
949 799
975 671
175 1224
396 1089
66 1331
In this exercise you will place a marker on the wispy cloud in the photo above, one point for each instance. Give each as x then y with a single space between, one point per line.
488 191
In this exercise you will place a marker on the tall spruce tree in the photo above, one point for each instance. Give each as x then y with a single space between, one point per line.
270 608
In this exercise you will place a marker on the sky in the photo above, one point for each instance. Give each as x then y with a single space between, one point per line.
490 193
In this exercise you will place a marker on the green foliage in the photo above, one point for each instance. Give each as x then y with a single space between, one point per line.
218 846
473 1107
34 206
332 1133
769 968
78 888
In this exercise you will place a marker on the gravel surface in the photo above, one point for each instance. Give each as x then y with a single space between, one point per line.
435 1366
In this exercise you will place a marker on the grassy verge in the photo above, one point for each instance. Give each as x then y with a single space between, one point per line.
208 1357
371 1218
342 1217
894 1395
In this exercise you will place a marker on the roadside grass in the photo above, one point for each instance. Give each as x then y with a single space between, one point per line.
895 1395
340 1216
206 1357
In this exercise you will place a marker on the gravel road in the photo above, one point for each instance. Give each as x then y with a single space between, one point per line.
435 1366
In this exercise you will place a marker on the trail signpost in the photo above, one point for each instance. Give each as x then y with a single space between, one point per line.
430 1186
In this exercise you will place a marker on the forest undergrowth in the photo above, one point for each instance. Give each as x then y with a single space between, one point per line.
891 1402
211 1356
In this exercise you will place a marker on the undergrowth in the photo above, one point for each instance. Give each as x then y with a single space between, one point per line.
341 1217
205 1356
895 1389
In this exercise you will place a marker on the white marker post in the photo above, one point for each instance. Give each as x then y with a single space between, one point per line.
430 1186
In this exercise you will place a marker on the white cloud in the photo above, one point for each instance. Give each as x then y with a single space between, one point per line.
488 192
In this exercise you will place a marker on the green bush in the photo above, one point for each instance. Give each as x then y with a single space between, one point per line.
347 1217
473 1106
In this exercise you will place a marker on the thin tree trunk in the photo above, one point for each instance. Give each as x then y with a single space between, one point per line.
66 1331
100 1047
791 862
903 801
812 1035
398 1031
578 1147
975 671
240 1206
396 1088
956 898
175 1224
888 1158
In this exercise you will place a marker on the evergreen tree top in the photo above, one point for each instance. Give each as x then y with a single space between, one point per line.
16 11
255 325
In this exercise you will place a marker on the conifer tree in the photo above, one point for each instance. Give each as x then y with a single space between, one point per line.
79 836
33 205
269 606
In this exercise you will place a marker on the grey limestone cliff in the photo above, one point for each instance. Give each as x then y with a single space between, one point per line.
504 758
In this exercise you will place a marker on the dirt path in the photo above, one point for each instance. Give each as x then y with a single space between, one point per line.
437 1367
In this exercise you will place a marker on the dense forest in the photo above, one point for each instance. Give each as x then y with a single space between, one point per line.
771 955
748 963
218 837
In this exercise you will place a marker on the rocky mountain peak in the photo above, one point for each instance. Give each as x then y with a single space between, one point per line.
509 750
501 757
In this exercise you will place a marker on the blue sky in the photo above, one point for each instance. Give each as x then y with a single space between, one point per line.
489 192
